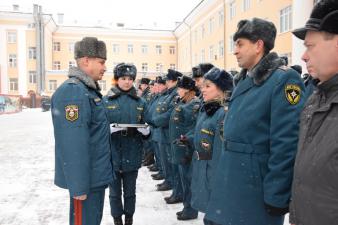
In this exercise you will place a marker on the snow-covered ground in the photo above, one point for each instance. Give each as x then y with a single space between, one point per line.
27 193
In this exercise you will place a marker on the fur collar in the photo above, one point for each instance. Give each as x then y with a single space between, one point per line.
115 92
262 71
75 72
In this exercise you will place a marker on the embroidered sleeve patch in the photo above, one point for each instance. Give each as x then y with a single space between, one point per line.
292 93
72 112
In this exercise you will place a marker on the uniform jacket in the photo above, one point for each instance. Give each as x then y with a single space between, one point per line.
149 115
315 186
146 95
207 145
165 106
260 142
125 108
81 131
182 120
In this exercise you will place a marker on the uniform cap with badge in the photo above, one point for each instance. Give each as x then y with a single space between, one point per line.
125 69
201 69
90 47
186 83
324 17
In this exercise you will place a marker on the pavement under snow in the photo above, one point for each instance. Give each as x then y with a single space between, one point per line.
27 193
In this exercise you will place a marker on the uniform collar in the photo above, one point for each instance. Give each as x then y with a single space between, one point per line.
329 87
75 72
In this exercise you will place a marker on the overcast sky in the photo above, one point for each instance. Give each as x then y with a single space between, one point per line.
163 13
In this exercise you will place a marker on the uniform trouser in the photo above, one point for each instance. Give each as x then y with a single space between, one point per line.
185 175
157 157
209 222
127 181
92 208
177 184
166 166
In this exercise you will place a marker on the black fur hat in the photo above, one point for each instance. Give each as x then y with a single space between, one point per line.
173 75
160 80
220 78
202 69
124 69
186 83
257 29
144 80
194 72
90 47
324 17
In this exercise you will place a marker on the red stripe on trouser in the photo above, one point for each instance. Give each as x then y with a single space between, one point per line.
78 212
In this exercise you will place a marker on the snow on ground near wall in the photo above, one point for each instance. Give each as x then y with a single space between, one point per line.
27 193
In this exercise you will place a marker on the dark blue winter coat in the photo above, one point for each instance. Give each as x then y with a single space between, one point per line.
182 120
81 131
125 108
260 142
149 115
207 144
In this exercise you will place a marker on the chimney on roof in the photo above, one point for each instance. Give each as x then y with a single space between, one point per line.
16 8
60 18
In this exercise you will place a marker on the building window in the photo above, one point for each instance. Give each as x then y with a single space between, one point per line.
71 46
211 53
32 77
32 52
102 85
172 66
56 46
11 37
221 48
12 60
13 84
246 5
144 49
202 31
231 44
232 10
211 25
158 49
52 85
71 64
285 19
144 67
56 65
116 48
159 67
130 49
220 18
172 50
202 56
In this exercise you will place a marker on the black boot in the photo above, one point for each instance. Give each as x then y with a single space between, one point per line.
128 220
118 221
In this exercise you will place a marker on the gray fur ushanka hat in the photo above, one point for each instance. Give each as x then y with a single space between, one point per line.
90 47
257 29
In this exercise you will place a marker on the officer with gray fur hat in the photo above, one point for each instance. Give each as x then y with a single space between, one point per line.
260 131
315 181
81 131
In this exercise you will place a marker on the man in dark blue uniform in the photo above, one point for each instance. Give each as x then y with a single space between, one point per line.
82 135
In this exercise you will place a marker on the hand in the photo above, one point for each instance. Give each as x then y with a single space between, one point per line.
144 131
115 129
81 197
184 140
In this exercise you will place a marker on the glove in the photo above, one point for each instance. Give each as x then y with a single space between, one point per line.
115 129
275 211
144 131
183 140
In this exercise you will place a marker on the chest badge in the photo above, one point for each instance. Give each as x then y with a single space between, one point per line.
292 93
72 112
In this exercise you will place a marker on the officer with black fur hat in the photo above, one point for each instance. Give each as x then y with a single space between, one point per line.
261 129
81 131
144 85
125 107
161 119
314 190
198 73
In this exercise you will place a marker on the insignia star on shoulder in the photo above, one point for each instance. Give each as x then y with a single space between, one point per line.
292 93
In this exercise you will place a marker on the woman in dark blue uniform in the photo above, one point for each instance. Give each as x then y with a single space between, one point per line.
125 107
182 120
207 136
